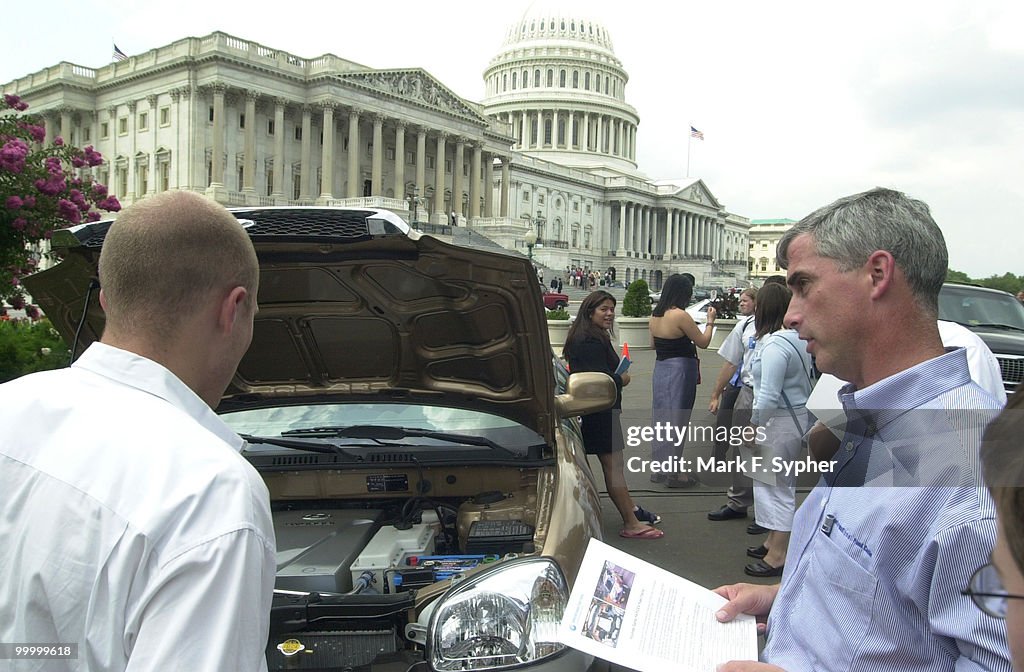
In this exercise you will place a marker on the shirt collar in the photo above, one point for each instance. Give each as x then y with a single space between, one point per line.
145 375
886 400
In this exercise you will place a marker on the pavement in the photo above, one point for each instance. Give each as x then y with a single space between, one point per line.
706 552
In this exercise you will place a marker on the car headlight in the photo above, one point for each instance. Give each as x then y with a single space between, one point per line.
502 618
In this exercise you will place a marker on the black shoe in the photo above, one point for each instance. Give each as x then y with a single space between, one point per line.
754 528
658 477
726 513
680 483
757 551
762 569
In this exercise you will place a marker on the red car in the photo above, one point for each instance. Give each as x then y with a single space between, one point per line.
555 300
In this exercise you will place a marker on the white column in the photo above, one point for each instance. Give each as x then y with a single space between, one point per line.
421 162
554 129
457 164
670 222
354 176
327 154
571 130
306 159
474 183
488 185
249 170
439 179
505 180
279 133
400 159
377 166
622 228
218 136
585 145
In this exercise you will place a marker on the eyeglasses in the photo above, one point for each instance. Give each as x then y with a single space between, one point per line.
986 591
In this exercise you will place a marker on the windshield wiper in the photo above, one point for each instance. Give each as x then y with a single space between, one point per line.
385 433
299 444
997 325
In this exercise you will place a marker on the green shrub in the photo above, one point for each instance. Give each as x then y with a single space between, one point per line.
560 314
638 300
26 347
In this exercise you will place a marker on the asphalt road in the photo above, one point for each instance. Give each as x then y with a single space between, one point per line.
706 552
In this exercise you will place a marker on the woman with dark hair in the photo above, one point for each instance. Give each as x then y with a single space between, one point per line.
781 368
675 337
588 347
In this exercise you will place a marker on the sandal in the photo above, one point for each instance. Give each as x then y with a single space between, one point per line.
646 533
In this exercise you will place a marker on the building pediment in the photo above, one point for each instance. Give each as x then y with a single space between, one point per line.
415 86
699 193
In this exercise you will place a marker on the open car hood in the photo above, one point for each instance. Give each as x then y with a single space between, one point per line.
354 305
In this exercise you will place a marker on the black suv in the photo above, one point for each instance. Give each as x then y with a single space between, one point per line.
996 317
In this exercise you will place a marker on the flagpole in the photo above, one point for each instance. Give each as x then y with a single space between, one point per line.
689 141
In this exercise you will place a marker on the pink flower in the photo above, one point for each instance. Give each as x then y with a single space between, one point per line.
69 211
29 201
51 186
12 155
14 202
92 157
78 162
92 216
38 133
58 141
110 204
19 223
53 166
98 190
15 103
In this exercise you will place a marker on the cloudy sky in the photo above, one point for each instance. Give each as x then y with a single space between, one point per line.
800 101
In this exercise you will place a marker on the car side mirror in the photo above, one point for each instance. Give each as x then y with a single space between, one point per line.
586 393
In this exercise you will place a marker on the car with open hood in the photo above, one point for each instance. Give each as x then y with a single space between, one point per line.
430 492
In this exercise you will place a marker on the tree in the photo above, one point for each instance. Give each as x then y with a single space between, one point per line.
638 300
42 188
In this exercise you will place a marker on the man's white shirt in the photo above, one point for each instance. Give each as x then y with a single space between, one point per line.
130 523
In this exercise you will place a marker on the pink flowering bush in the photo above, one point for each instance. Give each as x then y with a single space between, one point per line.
40 191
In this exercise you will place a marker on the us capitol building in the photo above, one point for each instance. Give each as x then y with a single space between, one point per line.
552 146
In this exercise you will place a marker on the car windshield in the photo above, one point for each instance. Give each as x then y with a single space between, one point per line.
331 420
978 307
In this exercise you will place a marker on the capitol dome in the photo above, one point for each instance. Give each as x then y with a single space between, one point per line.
558 84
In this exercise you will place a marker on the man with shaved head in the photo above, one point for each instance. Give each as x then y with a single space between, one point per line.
131 525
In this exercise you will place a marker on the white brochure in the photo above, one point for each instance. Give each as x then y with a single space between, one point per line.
632 613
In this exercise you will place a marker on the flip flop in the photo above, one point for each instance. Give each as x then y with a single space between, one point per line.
646 533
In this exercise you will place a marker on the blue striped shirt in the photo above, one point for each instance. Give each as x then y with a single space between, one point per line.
875 568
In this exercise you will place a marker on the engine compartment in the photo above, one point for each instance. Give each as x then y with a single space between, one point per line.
353 572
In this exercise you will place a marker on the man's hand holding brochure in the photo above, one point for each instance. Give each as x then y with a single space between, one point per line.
635 614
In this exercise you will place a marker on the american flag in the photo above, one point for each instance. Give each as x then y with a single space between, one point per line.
694 133
121 56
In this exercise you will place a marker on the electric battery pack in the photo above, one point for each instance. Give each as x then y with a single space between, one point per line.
499 537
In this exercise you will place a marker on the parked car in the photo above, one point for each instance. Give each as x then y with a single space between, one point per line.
430 492
996 317
555 300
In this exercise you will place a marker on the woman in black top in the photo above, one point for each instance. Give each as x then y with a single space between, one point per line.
675 337
588 347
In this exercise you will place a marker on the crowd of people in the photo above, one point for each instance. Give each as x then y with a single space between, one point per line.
900 559
884 562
